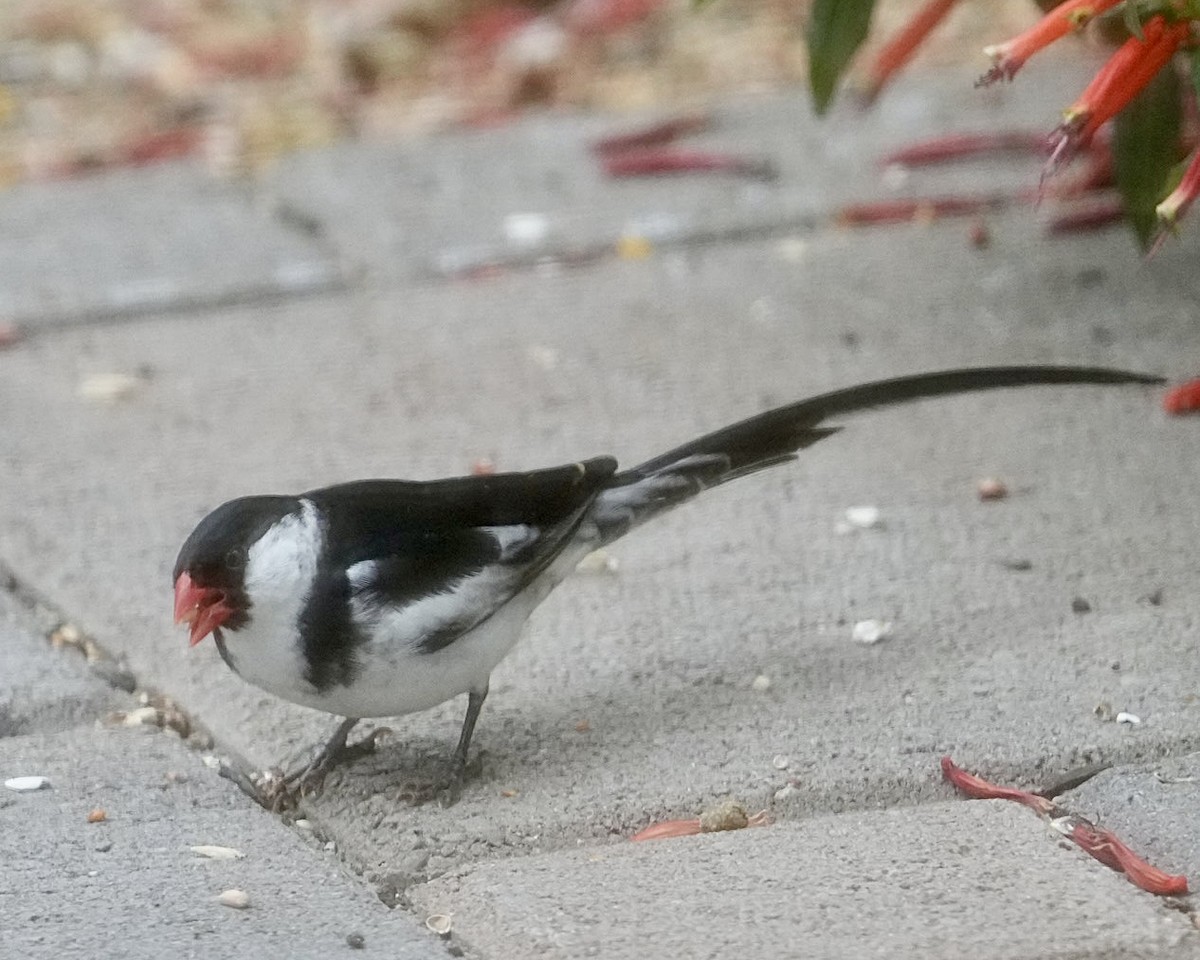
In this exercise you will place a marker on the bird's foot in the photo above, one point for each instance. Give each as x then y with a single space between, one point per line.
283 790
446 789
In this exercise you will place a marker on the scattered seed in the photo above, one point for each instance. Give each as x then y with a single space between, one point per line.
1019 565
305 825
108 387
761 683
1130 719
583 726
142 716
990 488
598 561
174 776
483 467
97 816
217 853
784 792
234 899
780 761
439 923
871 631
26 784
211 761
863 518
509 793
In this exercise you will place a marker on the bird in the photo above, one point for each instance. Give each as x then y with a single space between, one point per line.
378 598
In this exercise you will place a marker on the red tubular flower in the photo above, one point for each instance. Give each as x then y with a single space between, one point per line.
1134 65
897 51
1182 197
1008 58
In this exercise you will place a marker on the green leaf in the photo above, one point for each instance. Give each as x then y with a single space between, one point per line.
1146 149
1133 19
836 29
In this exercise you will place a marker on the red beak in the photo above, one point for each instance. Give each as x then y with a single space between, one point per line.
203 608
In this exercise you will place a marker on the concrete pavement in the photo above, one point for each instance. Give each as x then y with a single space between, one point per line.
634 696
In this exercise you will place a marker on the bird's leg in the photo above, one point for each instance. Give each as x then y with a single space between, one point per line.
448 788
309 777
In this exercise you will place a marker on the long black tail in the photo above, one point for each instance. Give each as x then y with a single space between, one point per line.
761 441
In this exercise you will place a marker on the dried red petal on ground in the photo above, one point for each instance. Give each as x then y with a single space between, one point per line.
1109 850
927 208
1089 216
600 18
979 789
10 336
655 161
958 145
655 135
667 829
900 49
161 145
1184 398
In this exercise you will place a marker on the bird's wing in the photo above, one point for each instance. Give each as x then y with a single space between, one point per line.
423 563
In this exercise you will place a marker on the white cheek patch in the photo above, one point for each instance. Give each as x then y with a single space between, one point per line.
282 563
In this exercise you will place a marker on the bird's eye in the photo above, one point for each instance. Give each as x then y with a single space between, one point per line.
235 558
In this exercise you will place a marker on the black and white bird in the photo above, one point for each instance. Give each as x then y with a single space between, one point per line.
385 597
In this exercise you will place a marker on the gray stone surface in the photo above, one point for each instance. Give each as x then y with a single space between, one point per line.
129 886
143 241
632 697
984 880
40 691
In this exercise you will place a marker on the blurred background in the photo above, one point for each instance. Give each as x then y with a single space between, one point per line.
93 84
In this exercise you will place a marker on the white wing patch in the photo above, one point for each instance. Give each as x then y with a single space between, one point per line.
460 605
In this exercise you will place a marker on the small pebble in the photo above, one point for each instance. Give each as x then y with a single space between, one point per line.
234 899
784 792
780 761
992 489
355 941
25 784
440 924
859 518
1130 719
871 631
1079 605
97 816
104 847
305 825
217 853
761 683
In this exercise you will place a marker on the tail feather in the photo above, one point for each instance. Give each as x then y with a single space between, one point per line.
777 435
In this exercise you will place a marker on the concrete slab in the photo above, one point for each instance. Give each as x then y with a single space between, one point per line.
129 885
166 238
428 208
983 880
987 663
41 691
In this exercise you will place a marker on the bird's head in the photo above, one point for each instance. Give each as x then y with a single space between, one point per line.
211 571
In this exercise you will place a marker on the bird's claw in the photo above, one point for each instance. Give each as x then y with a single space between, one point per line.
283 790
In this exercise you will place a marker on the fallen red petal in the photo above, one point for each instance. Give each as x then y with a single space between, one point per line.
1109 850
667 829
979 789
1184 398
654 161
655 135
